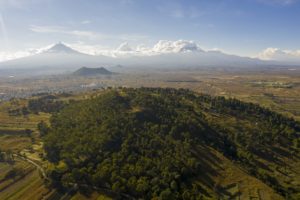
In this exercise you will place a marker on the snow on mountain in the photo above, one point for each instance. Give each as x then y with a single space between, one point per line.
180 54
58 57
164 46
161 47
164 54
61 48
54 48
124 47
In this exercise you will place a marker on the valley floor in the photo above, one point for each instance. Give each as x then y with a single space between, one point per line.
278 90
275 88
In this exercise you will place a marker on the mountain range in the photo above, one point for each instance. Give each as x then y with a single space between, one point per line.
182 54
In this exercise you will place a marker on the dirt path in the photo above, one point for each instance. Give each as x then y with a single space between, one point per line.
38 166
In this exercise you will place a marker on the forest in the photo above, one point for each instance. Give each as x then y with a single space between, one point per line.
152 143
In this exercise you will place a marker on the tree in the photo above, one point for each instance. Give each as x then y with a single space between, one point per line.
142 185
28 132
153 142
43 128
2 156
116 187
25 111
174 186
166 195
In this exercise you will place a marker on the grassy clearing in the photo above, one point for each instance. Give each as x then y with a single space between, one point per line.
93 196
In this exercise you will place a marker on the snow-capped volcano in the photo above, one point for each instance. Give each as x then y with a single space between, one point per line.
61 48
56 57
164 54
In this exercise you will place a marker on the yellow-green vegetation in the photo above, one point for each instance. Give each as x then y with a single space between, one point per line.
92 196
19 134
12 117
174 144
20 180
14 142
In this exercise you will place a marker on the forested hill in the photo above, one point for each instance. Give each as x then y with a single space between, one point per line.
154 143
85 71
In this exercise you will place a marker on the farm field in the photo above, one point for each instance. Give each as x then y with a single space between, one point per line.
27 184
277 89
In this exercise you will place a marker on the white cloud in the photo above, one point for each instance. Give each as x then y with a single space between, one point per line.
165 46
280 55
63 30
13 55
85 34
268 54
124 50
4 55
142 48
161 47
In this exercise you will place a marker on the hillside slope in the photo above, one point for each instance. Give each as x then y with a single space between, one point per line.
85 71
174 144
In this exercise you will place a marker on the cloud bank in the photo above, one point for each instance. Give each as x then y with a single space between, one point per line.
280 55
125 50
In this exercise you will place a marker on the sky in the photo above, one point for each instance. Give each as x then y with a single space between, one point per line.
266 29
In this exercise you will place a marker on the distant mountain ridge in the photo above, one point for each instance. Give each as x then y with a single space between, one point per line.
58 59
86 71
61 57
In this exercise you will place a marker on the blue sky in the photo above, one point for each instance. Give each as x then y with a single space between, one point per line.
242 27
